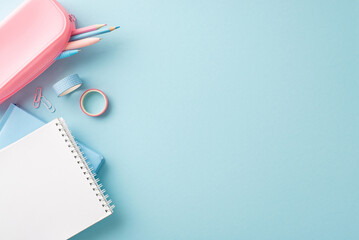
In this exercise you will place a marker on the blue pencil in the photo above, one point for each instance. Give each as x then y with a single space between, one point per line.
93 33
66 54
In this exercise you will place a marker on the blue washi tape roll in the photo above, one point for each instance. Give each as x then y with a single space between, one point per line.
67 85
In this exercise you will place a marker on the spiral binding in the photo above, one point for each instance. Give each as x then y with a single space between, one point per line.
85 166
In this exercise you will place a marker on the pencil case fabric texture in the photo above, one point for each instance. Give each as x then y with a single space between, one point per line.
31 38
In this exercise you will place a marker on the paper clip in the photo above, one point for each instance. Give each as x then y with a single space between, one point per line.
47 104
37 98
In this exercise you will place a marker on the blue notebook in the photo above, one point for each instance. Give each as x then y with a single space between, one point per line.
17 123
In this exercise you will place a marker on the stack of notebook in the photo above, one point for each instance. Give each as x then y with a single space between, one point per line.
49 189
17 123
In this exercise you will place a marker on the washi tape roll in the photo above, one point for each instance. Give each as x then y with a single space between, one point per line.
67 85
83 100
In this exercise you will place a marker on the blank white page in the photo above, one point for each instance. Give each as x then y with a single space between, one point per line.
47 189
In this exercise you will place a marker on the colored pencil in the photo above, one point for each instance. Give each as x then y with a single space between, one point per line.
87 29
93 33
66 54
82 43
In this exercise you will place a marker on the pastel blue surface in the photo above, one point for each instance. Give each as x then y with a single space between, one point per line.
227 119
17 123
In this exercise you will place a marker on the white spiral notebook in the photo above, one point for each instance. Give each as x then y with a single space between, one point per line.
43 199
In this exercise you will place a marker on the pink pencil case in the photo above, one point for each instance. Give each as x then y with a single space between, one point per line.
30 39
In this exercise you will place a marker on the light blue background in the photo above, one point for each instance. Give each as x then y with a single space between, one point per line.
227 119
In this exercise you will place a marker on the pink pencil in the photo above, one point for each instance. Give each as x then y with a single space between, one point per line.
87 29
82 43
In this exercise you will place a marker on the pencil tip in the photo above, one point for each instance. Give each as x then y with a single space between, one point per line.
100 25
113 28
